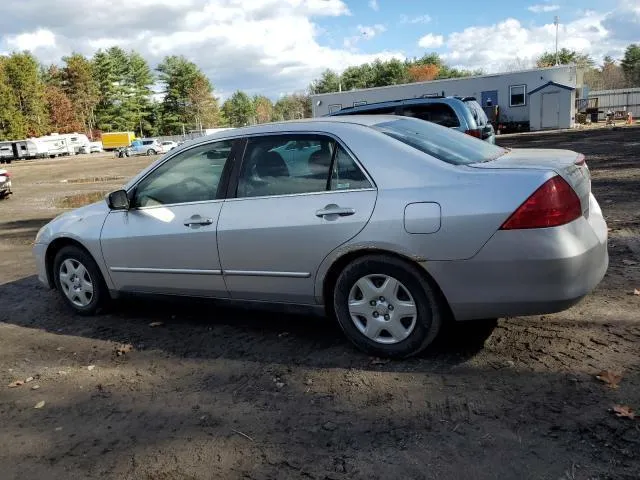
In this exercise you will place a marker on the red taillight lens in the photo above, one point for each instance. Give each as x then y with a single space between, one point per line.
554 203
474 133
6 174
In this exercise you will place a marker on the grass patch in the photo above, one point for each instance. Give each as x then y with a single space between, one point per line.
109 178
80 200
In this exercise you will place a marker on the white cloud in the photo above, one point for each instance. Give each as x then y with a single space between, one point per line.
373 4
262 46
594 33
431 41
366 32
542 8
415 20
41 38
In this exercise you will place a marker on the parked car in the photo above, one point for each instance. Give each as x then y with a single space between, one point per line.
96 147
5 183
392 224
461 113
167 146
145 146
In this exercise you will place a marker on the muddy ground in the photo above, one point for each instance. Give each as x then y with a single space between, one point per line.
216 392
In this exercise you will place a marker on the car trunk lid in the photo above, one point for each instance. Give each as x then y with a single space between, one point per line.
571 166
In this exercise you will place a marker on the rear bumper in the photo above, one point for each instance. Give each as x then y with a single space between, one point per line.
527 272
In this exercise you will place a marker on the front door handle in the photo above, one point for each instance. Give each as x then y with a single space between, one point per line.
197 221
335 210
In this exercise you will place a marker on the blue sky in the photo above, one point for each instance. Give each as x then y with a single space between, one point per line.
274 47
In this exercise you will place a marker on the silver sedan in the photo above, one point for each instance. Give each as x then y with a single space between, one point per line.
393 225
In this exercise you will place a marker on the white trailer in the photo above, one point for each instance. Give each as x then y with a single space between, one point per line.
509 91
52 146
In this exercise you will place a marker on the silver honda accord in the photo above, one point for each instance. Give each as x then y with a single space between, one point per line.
394 225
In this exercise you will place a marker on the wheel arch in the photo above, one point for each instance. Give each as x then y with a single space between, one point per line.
54 247
339 264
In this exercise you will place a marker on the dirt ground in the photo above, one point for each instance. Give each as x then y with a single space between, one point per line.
216 392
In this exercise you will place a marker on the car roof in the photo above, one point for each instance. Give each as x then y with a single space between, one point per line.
455 101
322 124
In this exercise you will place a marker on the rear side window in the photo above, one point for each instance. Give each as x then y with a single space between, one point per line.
439 113
450 146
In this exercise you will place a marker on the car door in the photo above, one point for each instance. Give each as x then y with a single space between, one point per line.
286 217
166 241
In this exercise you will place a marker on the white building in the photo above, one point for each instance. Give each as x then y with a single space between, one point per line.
510 91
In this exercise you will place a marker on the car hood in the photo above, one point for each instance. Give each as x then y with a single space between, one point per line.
73 222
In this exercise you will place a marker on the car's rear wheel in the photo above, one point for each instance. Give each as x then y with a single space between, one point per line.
386 307
151 152
79 281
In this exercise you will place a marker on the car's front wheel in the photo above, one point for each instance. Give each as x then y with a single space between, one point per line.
151 152
79 281
386 307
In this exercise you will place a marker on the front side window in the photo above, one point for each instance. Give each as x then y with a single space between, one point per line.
296 164
191 176
517 95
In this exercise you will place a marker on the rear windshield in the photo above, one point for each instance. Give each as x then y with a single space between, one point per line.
445 144
478 113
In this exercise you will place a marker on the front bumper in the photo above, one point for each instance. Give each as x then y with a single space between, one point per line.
39 252
527 272
5 187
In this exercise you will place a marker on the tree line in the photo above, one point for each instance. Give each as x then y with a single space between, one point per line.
117 90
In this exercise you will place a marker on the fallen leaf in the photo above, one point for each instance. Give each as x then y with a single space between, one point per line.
124 348
58 429
612 379
156 324
35 387
629 262
62 372
15 384
29 379
624 411
59 349
40 404
636 291
279 384
91 367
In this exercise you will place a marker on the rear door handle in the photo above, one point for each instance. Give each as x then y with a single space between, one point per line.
197 221
335 210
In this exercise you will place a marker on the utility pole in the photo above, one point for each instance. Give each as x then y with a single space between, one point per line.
556 21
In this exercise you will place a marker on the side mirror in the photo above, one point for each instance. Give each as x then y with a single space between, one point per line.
118 200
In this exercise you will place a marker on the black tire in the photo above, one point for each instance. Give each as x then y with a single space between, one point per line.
429 316
151 152
100 297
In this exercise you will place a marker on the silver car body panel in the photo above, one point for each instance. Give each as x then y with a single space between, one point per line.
276 249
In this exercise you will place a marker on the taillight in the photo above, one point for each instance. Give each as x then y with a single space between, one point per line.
555 203
6 174
476 132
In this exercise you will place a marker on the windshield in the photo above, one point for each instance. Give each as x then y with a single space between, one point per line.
440 142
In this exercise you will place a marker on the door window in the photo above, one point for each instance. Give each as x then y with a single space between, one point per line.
295 164
346 175
439 113
191 176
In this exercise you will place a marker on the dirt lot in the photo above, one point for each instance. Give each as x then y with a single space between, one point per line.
232 393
